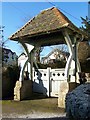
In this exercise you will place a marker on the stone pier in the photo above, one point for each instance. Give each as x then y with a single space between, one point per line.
23 90
62 93
65 87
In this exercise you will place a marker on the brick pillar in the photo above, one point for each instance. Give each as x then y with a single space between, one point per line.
62 93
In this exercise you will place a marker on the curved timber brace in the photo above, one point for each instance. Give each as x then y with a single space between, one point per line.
30 59
21 78
77 63
69 43
73 55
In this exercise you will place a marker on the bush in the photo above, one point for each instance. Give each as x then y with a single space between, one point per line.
85 67
9 77
57 64
78 103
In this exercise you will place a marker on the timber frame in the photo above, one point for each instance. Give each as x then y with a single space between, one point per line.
61 31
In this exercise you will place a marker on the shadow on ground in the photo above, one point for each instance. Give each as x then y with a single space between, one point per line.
53 118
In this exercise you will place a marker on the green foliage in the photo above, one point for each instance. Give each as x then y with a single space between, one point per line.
9 77
57 64
83 51
84 47
85 67
13 72
86 27
37 53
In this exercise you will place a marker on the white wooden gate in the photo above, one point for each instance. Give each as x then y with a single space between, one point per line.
47 81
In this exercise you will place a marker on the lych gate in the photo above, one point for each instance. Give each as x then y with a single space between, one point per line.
47 81
50 27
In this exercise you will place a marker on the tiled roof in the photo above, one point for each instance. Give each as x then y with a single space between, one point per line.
46 22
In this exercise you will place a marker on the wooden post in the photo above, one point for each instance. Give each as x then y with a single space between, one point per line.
77 64
31 66
69 43
75 57
48 79
64 86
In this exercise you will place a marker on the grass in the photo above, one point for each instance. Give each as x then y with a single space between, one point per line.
28 106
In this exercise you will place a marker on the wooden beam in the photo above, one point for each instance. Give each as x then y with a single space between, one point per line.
78 63
45 40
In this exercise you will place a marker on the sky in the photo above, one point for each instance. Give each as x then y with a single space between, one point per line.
16 14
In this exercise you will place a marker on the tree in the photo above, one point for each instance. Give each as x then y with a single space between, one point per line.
37 53
84 47
83 51
1 36
86 26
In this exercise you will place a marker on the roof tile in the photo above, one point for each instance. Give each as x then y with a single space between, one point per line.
47 21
